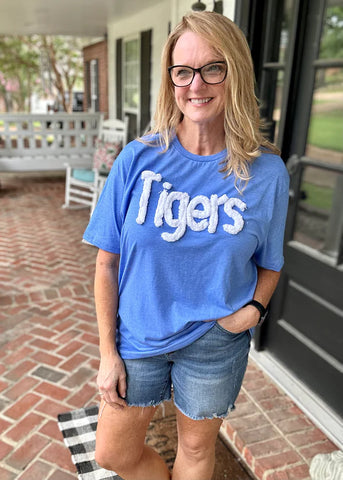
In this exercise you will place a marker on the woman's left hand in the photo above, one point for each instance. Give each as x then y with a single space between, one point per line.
245 318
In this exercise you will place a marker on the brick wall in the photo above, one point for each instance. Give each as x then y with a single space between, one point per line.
97 51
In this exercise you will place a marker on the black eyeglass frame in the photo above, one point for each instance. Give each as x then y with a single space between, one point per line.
196 70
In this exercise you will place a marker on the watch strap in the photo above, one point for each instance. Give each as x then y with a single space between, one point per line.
260 308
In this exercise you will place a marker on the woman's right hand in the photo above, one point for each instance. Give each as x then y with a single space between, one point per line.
111 380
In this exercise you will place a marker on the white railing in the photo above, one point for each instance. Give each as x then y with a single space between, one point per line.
34 142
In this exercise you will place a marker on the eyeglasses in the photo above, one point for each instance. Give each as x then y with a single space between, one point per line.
211 73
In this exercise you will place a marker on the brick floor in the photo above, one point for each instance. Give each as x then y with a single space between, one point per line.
49 355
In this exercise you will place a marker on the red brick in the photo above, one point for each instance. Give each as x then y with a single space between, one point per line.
63 315
52 391
83 396
254 384
51 408
62 326
249 459
7 475
42 332
25 426
70 349
254 374
93 351
60 475
95 363
306 438
264 393
275 403
88 327
38 470
243 410
256 435
300 472
5 449
284 414
46 358
20 370
3 385
27 451
51 430
66 337
248 422
269 447
36 296
21 387
6 300
293 425
19 408
322 447
79 377
230 432
17 343
17 356
86 317
274 462
21 298
4 425
73 362
59 454
44 344
88 338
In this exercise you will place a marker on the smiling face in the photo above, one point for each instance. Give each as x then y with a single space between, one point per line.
201 104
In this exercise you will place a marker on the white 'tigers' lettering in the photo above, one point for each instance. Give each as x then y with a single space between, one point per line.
188 211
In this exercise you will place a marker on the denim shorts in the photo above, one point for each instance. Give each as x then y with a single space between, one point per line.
205 376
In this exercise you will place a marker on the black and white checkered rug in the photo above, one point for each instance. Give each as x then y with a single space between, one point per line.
78 429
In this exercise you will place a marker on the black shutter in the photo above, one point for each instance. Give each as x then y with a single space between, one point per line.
88 86
96 89
145 86
119 78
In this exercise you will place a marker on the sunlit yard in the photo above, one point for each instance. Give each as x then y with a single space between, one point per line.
326 130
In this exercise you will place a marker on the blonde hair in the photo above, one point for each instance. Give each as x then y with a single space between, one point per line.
242 120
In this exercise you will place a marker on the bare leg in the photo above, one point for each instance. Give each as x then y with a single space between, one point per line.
120 444
195 457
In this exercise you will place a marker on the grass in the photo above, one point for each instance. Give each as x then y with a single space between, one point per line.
316 196
326 130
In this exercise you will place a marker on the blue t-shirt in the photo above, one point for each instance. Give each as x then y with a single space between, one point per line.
189 241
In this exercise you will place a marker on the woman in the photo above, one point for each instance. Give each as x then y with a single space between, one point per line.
189 229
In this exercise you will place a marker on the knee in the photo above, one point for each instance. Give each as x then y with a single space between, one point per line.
196 450
118 459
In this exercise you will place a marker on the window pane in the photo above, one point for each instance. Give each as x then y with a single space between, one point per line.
131 78
331 45
318 219
325 136
287 19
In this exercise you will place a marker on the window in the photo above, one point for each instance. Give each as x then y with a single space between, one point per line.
131 75
94 86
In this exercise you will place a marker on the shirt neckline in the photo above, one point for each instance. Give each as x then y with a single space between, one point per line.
198 158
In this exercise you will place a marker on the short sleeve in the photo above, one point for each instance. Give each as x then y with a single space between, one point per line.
104 228
269 253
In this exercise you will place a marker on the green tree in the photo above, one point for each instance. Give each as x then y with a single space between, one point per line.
332 36
66 62
28 61
19 66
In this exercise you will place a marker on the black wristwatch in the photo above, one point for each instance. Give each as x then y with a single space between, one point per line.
263 311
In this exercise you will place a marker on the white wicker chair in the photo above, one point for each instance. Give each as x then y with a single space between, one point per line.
84 184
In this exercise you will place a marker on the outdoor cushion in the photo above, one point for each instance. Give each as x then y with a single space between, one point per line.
83 174
105 154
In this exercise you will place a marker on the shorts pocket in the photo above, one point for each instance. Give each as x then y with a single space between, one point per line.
224 330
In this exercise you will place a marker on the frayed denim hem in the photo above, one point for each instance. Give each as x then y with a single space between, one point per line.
209 417
152 403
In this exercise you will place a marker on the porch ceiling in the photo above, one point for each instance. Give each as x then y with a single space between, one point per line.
63 17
